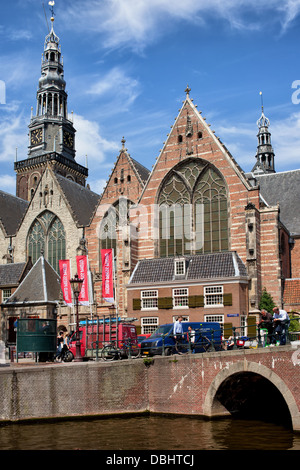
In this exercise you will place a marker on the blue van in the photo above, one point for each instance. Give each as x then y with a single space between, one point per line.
206 336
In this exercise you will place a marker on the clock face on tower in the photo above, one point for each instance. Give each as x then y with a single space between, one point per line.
36 136
68 139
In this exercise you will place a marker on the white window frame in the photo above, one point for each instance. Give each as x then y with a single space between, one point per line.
6 293
180 293
179 267
149 324
213 292
214 318
150 294
244 326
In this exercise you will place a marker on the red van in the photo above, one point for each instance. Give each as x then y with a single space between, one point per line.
95 335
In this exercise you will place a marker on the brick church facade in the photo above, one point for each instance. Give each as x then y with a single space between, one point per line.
196 236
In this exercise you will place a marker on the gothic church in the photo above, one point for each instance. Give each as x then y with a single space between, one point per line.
196 236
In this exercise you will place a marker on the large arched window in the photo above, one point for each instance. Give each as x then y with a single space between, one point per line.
193 210
47 235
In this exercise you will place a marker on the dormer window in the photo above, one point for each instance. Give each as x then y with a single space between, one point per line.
179 267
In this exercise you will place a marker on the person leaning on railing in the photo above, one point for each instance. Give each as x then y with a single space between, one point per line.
266 321
281 322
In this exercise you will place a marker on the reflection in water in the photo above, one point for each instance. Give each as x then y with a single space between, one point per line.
148 433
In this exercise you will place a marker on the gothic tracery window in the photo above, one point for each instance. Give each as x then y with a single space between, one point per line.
193 210
47 235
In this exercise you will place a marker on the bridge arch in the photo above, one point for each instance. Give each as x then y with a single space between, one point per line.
234 382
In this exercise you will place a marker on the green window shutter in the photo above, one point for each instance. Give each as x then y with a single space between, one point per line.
165 302
136 304
227 330
251 326
196 301
227 300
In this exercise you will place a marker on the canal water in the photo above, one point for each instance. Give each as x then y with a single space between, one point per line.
149 433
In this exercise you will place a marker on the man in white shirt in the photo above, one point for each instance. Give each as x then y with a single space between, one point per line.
281 322
178 330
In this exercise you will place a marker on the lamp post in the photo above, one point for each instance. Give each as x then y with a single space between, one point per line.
76 285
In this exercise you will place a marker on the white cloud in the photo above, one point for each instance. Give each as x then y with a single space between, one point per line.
116 83
12 136
90 143
8 183
241 141
137 23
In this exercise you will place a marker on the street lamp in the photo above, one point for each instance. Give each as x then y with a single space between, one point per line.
76 285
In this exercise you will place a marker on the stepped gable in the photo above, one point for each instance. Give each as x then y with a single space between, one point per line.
192 137
42 284
12 211
216 265
127 178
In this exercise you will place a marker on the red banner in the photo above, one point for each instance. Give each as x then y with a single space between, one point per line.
65 276
82 271
107 275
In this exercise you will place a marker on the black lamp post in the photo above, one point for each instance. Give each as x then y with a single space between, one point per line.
76 285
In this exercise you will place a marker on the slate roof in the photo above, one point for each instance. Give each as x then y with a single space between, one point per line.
142 171
198 267
283 188
82 201
12 210
41 285
11 274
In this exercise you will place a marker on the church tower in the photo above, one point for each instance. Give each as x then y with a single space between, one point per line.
51 132
265 153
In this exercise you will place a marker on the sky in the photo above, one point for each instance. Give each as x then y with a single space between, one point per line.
127 64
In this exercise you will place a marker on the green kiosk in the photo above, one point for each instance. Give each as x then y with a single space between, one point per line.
37 335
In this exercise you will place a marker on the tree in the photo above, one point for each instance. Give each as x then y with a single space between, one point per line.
266 301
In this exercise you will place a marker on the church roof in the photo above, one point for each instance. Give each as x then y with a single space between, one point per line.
291 295
142 171
198 267
41 285
12 210
283 189
82 201
12 273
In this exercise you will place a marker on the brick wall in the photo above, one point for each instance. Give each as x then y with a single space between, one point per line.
174 384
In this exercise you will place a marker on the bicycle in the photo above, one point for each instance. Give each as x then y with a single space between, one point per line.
204 342
110 352
65 355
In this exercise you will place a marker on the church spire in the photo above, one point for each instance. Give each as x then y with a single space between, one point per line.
51 132
50 129
265 153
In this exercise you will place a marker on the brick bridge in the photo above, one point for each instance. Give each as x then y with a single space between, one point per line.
257 382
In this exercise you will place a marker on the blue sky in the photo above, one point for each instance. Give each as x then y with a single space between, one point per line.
128 62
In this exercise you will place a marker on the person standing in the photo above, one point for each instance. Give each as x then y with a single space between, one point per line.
281 322
177 329
178 334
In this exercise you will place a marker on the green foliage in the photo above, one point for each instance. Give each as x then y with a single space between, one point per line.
148 361
266 302
295 322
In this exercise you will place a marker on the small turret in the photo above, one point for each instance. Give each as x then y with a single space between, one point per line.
265 153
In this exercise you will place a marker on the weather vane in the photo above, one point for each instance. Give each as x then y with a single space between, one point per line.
52 3
261 98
